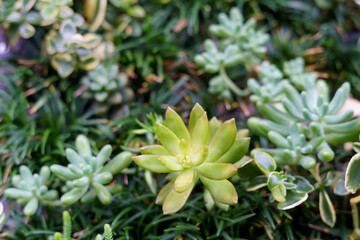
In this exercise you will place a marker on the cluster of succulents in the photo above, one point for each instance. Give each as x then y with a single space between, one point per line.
87 175
206 150
239 43
31 189
311 110
294 149
106 85
233 30
303 126
21 17
69 49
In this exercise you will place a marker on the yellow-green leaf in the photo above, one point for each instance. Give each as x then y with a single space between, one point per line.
216 171
222 190
151 163
195 114
184 180
175 201
154 150
175 123
200 133
168 139
222 140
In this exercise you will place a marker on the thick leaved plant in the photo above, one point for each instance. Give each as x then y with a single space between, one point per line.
87 175
205 151
31 189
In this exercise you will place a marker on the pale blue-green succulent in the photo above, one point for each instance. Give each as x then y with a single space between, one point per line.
31 189
89 176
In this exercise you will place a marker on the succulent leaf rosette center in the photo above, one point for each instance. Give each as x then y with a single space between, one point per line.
206 150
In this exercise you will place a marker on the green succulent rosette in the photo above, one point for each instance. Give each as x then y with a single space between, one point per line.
206 150
90 176
31 190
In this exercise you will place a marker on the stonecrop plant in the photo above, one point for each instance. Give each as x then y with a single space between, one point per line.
206 151
31 190
303 126
90 176
288 190
107 85
239 43
315 114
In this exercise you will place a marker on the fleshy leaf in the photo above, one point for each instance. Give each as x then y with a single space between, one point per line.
236 152
222 140
195 114
293 199
103 155
118 163
216 171
175 201
164 192
31 206
83 146
265 162
168 139
154 150
175 123
64 173
279 193
184 179
102 193
327 211
72 196
223 191
352 176
200 133
151 163
171 163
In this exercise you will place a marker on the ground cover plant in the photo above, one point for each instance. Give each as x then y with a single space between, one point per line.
178 119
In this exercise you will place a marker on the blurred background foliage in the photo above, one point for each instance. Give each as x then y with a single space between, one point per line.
155 42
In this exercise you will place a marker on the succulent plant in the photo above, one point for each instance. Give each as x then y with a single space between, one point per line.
53 11
31 189
273 84
295 71
290 191
106 84
239 43
205 151
19 17
87 174
311 109
232 28
215 61
69 49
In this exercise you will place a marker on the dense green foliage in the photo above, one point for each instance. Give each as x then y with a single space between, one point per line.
237 117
